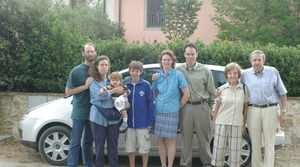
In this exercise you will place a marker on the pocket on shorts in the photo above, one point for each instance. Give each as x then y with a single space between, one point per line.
147 136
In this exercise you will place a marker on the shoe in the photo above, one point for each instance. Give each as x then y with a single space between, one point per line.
123 127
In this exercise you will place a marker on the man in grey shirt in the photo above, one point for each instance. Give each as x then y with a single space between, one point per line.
267 104
195 114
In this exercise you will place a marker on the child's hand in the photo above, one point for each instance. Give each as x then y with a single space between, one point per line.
151 129
118 90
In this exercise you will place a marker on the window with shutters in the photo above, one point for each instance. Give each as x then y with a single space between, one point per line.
154 17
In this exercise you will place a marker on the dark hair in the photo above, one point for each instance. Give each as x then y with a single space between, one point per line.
190 45
136 65
88 44
93 71
171 54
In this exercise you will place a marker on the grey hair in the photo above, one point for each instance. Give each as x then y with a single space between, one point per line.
257 53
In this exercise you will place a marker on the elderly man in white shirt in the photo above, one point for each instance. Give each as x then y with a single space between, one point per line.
267 104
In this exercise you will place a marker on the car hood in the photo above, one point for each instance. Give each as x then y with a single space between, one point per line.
60 109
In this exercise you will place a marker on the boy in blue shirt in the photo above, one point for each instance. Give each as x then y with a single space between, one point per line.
140 114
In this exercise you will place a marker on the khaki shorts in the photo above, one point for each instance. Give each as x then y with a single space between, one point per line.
138 138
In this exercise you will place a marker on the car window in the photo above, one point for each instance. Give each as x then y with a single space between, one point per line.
147 74
219 78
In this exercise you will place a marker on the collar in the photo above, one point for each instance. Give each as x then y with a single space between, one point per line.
169 72
257 73
239 85
193 67
132 83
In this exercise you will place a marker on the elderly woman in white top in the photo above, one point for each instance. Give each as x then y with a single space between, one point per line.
228 114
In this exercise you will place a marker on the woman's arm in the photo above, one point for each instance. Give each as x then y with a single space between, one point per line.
185 96
216 106
95 93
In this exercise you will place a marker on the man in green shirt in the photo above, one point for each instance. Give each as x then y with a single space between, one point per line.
78 87
195 114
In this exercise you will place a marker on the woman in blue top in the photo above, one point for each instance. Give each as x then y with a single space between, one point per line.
101 99
171 93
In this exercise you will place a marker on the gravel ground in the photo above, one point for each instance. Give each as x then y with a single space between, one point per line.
14 154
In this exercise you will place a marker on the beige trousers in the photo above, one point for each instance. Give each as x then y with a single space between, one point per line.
262 124
195 118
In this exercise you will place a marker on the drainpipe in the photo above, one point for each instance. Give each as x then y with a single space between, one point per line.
104 6
120 10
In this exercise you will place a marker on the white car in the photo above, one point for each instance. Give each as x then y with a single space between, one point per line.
47 127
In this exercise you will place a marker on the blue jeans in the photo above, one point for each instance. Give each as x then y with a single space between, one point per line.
110 134
81 134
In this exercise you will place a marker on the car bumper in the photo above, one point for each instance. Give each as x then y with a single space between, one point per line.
24 142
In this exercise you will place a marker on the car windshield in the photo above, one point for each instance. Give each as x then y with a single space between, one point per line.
219 78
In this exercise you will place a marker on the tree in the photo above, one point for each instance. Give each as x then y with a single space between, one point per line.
180 18
263 21
40 42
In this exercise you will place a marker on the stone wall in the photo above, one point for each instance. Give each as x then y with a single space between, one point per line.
288 155
14 104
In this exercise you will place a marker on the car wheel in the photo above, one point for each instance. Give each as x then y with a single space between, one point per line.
54 145
245 151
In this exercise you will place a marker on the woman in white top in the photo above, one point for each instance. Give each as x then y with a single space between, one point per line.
228 115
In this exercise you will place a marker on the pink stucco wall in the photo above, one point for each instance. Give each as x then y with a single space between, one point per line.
133 19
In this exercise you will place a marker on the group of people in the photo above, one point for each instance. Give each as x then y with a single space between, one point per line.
179 97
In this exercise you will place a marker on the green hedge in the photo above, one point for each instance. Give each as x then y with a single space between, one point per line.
47 71
40 42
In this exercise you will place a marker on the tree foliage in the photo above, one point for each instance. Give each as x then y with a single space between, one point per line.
39 42
264 21
180 18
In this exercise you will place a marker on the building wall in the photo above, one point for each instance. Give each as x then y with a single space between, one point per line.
133 20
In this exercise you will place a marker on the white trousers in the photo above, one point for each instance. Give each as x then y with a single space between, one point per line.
262 124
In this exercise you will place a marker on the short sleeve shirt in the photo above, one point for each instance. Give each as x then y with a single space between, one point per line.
81 101
167 88
232 101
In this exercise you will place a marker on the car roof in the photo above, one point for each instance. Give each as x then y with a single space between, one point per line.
156 65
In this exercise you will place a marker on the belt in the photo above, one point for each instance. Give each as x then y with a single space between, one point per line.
263 105
197 102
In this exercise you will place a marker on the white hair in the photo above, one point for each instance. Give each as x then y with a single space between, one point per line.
257 53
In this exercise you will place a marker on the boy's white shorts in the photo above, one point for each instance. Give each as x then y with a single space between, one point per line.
138 138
